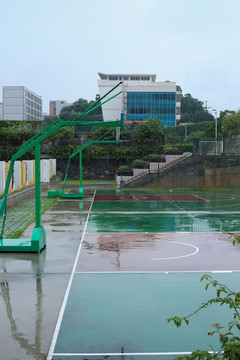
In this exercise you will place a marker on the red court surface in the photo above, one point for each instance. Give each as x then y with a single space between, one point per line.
147 197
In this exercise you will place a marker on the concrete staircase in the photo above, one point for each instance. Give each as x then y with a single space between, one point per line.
134 181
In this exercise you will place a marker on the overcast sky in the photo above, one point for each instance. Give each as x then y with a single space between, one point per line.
56 48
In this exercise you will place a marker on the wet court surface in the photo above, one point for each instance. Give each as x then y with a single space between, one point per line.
32 286
116 266
140 262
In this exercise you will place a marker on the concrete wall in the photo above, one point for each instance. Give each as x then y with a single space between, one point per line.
103 169
197 171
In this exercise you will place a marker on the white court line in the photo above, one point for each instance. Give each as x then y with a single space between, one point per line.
159 272
128 354
186 212
56 332
182 256
160 233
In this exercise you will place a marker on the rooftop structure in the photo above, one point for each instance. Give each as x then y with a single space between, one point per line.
141 98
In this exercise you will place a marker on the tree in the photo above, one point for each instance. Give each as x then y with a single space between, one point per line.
231 124
71 112
174 135
149 131
192 110
48 119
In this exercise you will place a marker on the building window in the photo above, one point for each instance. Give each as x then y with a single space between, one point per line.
143 105
113 77
134 77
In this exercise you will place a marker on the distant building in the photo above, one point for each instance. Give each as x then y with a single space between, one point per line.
141 98
55 106
20 103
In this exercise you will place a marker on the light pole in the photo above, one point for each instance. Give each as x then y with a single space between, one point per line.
215 123
215 129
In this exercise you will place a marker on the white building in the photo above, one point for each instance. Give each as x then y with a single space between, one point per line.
55 106
141 98
20 103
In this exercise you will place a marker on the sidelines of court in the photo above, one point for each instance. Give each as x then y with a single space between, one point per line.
51 352
55 335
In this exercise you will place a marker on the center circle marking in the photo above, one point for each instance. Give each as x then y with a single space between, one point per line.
196 250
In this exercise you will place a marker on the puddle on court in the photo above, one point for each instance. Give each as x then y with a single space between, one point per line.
158 252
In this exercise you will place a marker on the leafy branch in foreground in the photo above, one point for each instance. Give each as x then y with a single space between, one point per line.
229 341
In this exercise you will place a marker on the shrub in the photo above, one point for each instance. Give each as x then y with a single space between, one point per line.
156 158
140 164
124 171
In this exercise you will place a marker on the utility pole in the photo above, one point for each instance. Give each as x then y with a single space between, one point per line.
206 107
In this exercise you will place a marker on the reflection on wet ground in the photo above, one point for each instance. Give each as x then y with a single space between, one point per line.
32 286
158 252
165 222
155 239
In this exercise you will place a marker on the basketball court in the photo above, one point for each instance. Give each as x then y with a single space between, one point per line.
140 262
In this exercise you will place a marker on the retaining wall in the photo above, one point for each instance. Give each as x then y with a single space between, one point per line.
102 169
221 171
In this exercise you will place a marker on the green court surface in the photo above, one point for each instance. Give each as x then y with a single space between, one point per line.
139 263
181 222
109 313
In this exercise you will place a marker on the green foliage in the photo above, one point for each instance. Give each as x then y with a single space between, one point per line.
152 130
192 110
71 112
231 124
64 133
123 168
138 162
228 340
49 119
110 133
198 135
15 136
176 134
20 124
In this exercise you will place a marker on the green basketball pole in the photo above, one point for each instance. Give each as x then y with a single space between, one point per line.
38 240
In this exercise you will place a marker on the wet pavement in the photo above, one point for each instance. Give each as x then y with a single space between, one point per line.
158 252
139 258
32 286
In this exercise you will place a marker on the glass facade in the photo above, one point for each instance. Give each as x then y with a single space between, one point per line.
143 105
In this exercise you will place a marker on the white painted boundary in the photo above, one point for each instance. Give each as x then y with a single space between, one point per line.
56 332
188 212
130 354
182 256
161 272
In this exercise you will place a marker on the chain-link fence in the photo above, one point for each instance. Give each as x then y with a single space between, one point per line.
227 146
